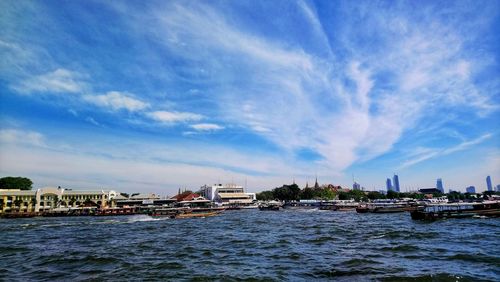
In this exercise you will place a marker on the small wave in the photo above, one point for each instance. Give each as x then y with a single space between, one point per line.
145 218
362 272
401 248
359 262
430 277
321 240
475 257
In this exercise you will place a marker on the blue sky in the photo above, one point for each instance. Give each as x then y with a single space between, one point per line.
159 95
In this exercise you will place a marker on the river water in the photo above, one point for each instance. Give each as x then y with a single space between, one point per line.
251 245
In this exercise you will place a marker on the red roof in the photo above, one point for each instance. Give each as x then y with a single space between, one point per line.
186 196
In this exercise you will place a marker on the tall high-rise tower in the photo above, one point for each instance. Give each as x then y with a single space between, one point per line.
439 185
488 183
388 184
395 182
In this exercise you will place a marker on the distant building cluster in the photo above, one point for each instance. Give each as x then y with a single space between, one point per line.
470 189
394 185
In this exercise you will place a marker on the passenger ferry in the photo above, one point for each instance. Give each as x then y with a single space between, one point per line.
457 210
198 207
384 206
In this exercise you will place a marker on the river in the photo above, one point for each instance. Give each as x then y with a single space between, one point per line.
251 245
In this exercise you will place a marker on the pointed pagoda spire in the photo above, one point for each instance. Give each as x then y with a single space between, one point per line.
316 185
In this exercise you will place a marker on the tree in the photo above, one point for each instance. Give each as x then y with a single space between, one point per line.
21 183
265 196
392 194
373 195
307 193
287 192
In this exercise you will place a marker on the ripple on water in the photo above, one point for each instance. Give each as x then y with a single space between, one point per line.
250 245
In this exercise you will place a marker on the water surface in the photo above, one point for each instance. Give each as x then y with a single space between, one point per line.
251 245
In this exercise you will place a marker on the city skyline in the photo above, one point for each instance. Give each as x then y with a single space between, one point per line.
154 96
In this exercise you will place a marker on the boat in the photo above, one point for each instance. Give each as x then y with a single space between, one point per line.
302 204
198 207
116 211
384 206
457 210
362 208
271 206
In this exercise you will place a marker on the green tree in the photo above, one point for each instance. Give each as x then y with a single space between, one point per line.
392 194
265 196
10 182
307 193
287 192
326 194
374 195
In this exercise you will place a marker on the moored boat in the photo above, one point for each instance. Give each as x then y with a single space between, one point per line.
198 207
457 210
271 206
383 206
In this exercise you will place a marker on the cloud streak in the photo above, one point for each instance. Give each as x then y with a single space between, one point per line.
424 155
59 81
115 101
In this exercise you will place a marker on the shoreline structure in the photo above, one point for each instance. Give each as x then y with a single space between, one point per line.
52 202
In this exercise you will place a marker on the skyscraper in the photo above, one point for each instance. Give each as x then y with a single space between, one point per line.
388 184
471 189
356 186
488 183
439 185
395 181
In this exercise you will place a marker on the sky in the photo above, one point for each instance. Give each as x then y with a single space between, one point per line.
152 96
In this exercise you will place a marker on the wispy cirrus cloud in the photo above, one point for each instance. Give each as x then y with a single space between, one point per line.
59 81
347 111
115 101
424 154
173 117
206 127
27 137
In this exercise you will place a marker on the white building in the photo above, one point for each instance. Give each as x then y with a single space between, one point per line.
50 198
227 195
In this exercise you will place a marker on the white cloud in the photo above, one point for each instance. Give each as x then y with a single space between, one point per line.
423 154
73 112
115 101
173 117
58 81
16 136
206 127
92 120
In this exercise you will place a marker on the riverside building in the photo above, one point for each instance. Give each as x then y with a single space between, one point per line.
227 195
49 198
488 183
